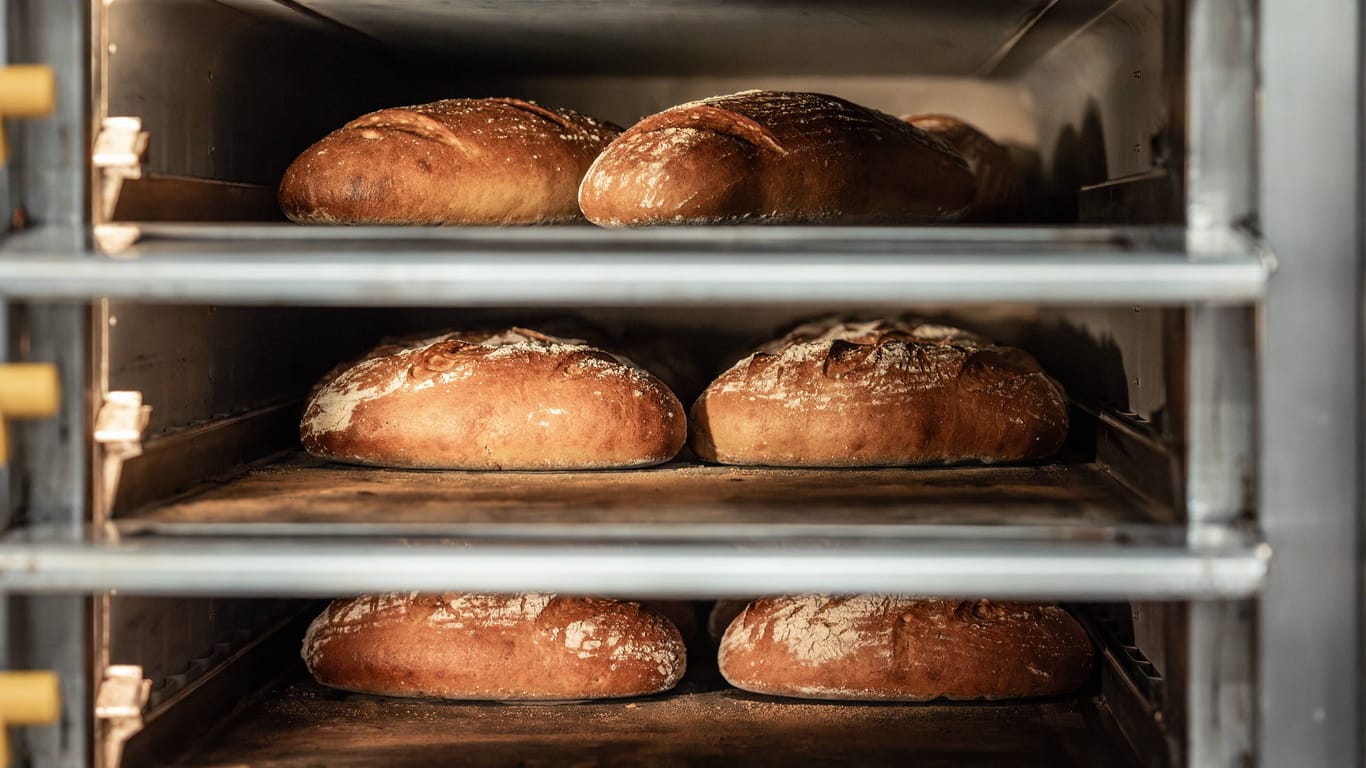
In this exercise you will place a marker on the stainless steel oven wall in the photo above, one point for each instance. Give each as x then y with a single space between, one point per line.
1109 120
231 95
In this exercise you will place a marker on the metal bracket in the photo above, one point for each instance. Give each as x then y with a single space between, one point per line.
119 702
117 155
120 422
119 425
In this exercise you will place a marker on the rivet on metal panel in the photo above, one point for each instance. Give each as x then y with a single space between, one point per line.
119 703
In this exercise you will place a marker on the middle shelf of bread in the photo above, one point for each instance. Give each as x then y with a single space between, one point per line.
301 526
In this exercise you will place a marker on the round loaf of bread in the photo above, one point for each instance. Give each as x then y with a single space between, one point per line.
527 647
879 393
892 647
516 399
999 184
458 161
774 157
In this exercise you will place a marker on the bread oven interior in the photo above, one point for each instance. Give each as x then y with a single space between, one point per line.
221 461
1088 95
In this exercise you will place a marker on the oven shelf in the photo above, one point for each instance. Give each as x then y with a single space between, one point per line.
586 266
700 723
299 495
302 526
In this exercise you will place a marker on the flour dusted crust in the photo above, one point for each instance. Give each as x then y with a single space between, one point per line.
999 184
879 393
899 648
495 647
774 157
458 161
514 399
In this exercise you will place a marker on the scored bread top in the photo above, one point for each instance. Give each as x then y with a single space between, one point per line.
879 393
457 161
509 399
775 157
898 647
523 646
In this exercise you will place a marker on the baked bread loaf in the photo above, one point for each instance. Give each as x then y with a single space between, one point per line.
999 182
531 647
774 157
879 393
458 161
891 647
515 399
722 613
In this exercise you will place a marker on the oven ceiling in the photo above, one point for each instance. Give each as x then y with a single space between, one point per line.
675 37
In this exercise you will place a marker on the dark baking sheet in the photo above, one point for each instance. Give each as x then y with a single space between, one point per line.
702 723
301 490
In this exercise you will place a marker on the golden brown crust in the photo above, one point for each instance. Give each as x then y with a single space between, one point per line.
879 393
458 161
999 182
499 647
774 157
893 647
515 399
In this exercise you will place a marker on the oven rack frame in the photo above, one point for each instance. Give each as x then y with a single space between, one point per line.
1284 699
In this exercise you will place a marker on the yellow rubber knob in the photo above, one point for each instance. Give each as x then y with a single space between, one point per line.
27 698
27 90
27 391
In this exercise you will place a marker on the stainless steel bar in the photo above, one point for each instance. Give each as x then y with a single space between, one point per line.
665 272
49 177
1221 684
52 458
1221 112
1310 679
663 569
1221 178
1221 453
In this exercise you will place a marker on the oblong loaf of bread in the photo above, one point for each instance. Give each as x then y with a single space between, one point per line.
774 157
529 647
516 399
458 161
879 393
892 647
999 183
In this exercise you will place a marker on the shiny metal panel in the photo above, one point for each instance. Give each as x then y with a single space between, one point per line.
1312 465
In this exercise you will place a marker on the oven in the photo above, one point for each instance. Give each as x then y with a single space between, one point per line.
1188 267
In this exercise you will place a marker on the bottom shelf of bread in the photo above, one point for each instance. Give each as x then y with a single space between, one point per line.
701 722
